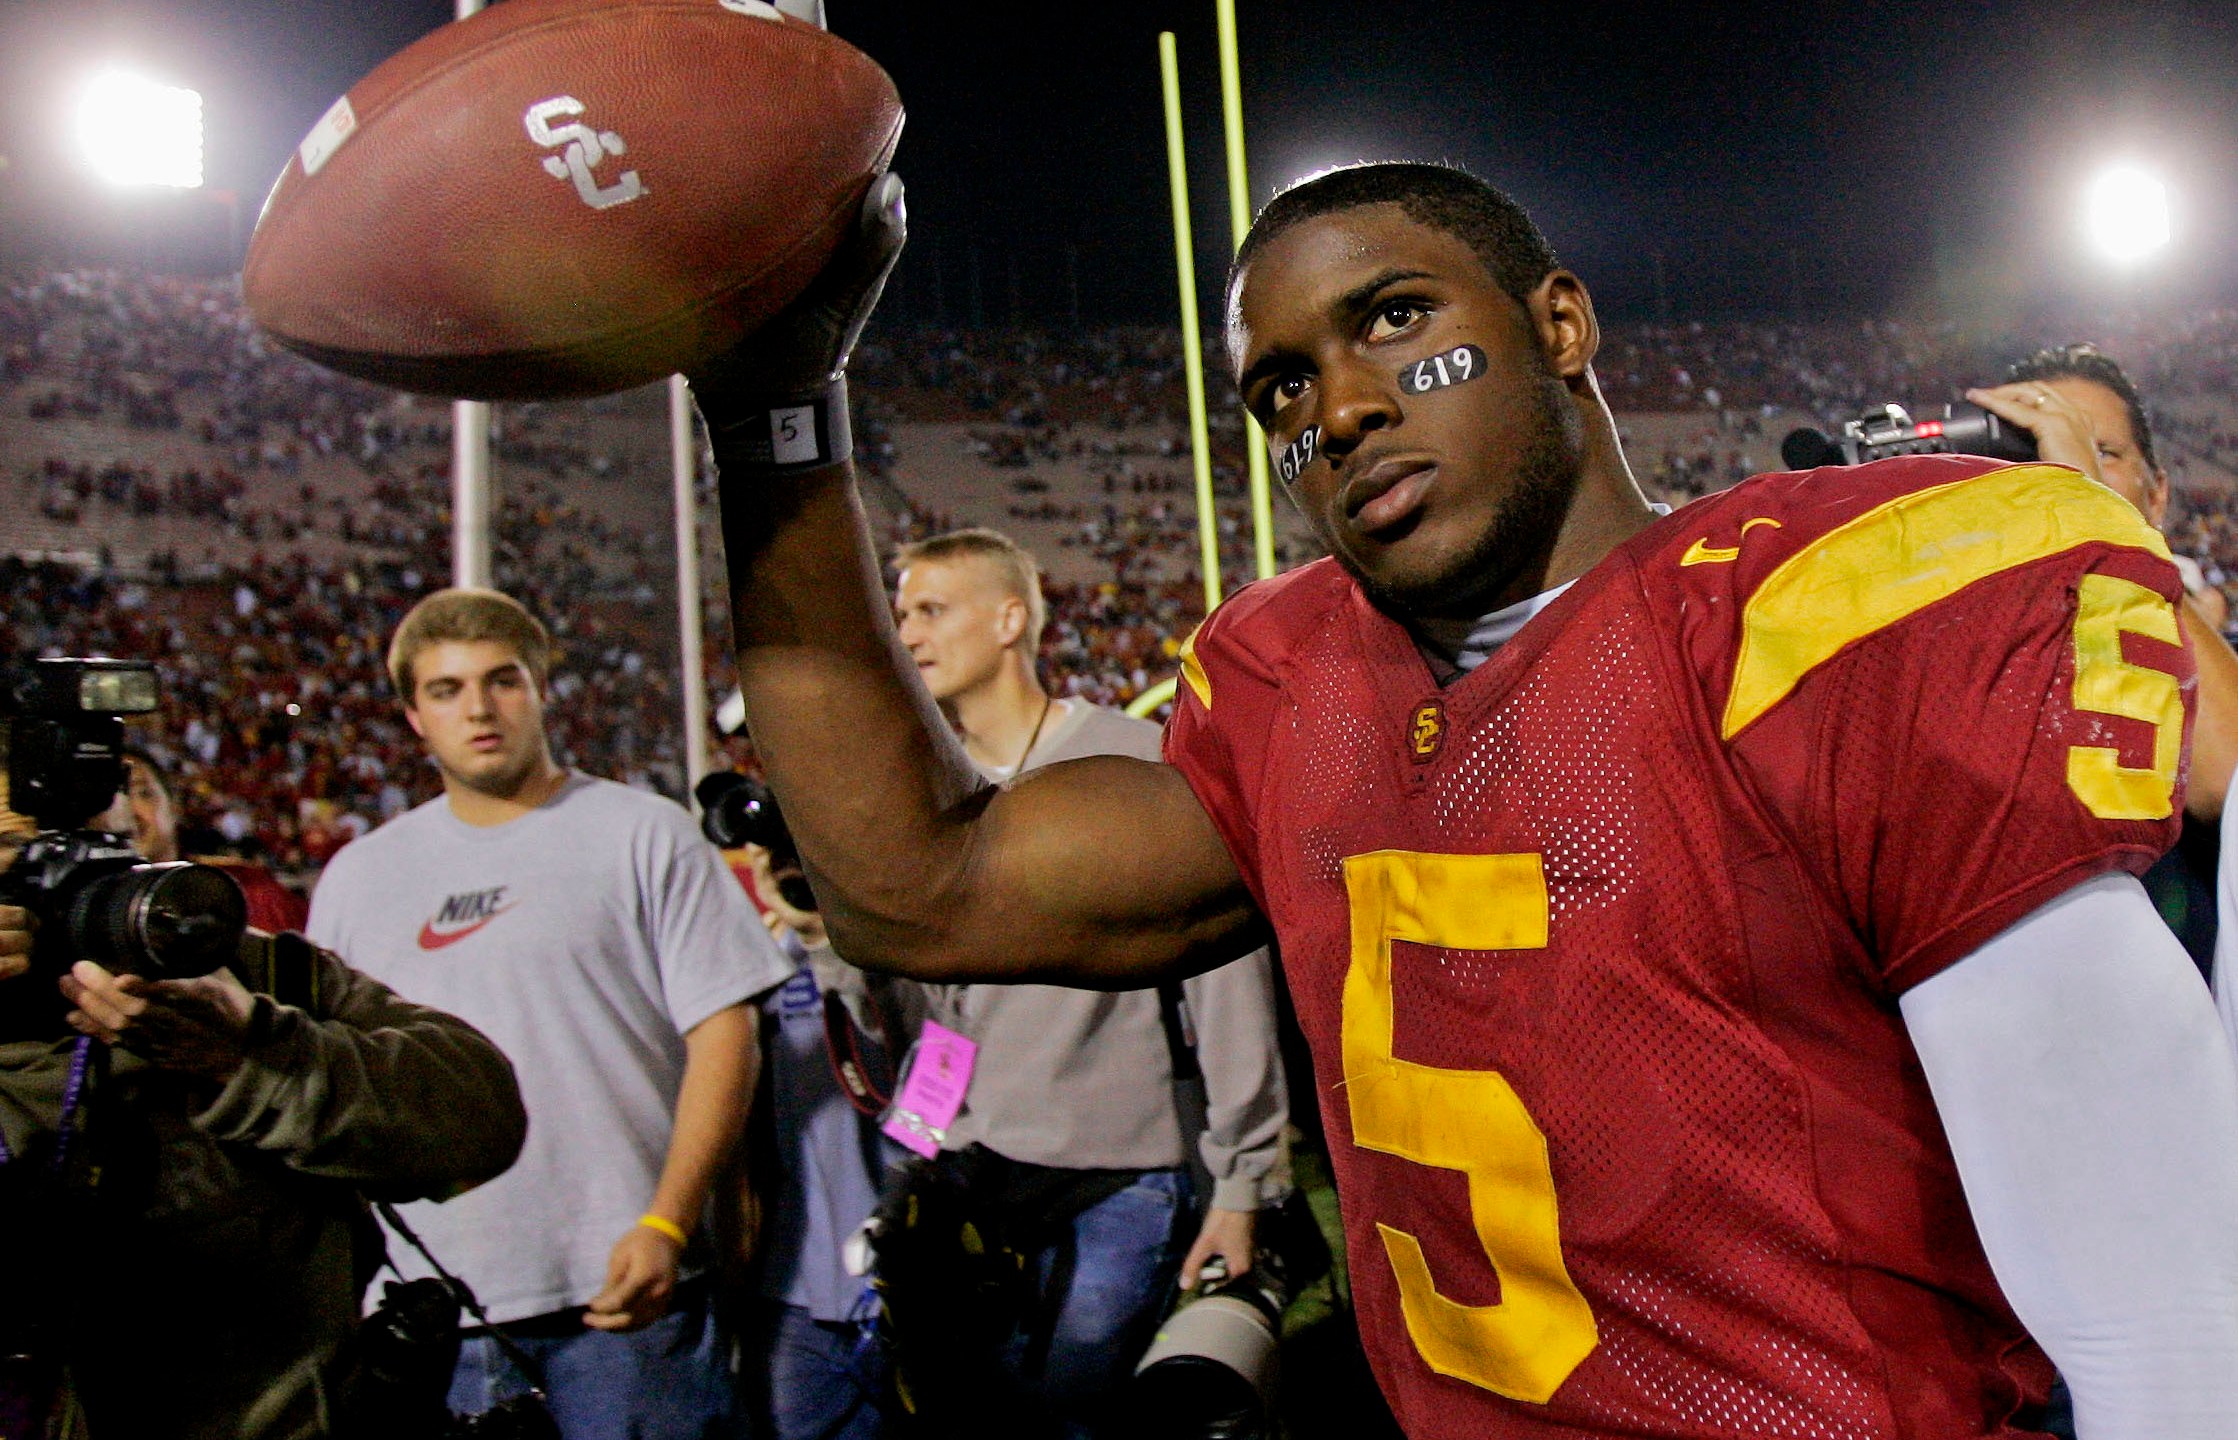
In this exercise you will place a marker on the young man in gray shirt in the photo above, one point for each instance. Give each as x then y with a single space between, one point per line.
598 939
1084 1079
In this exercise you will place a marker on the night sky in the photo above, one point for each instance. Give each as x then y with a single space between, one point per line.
1863 158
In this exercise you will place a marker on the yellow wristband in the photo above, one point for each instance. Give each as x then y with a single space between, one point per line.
661 1224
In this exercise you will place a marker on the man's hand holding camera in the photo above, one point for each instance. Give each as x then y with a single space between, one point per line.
199 1026
195 1027
15 938
2064 434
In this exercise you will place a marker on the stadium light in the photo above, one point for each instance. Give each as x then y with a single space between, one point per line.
2127 214
134 131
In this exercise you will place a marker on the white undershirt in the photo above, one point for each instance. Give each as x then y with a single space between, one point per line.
1496 629
2091 1102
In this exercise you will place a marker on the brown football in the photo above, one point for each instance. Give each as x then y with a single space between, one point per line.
569 197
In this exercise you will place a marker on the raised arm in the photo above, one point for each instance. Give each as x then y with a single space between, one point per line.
1095 872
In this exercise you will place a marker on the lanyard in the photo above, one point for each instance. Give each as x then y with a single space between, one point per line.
843 1043
73 1099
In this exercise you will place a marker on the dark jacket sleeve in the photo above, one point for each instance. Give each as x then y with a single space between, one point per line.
400 1100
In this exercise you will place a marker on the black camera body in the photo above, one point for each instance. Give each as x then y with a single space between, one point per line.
1890 430
94 897
405 1353
739 810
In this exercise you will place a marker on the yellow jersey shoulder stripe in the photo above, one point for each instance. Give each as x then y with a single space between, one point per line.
1901 557
1192 669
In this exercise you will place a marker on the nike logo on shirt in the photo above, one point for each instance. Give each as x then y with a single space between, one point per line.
462 915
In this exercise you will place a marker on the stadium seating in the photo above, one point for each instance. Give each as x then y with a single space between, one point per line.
259 525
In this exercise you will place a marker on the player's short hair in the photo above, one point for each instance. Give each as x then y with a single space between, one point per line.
468 615
1443 197
2085 361
1013 564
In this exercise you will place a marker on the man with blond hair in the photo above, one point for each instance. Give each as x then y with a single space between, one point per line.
1083 1081
591 932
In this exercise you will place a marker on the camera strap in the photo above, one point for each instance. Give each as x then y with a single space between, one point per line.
845 1045
528 1363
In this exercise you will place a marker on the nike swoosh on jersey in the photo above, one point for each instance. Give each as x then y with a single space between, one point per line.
434 939
1702 552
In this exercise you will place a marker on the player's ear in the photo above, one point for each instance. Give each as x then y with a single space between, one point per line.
1569 333
2156 498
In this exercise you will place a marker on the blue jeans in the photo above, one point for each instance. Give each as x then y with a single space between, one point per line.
1127 1253
668 1381
821 1380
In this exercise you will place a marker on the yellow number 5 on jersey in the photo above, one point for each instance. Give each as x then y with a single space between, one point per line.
1526 1345
2106 606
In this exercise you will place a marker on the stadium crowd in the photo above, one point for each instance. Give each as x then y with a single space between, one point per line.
366 471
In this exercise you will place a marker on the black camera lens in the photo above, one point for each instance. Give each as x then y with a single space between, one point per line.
168 921
739 810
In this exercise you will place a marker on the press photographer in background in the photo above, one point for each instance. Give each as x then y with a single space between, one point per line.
192 1114
2076 398
2070 396
812 1366
146 813
2073 405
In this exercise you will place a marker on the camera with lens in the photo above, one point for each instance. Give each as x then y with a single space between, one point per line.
1214 1366
94 897
738 810
1213 1371
1888 430
405 1353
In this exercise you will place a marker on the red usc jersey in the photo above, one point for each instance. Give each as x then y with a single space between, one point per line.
1598 948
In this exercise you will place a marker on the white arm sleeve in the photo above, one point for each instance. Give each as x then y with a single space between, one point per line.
2091 1102
2226 928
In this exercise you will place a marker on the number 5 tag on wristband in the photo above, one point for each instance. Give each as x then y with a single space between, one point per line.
792 435
934 1081
796 433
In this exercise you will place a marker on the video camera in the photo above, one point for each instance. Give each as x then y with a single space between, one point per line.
1888 430
95 898
739 810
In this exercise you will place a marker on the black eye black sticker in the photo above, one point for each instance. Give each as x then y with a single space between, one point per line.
1298 454
1451 367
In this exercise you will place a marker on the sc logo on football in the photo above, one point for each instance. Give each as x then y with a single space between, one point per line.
585 149
1426 731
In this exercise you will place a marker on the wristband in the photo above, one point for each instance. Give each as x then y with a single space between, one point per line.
662 1225
784 436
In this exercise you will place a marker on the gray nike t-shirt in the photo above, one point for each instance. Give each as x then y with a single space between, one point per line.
584 938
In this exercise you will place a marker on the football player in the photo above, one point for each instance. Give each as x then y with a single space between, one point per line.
1733 1009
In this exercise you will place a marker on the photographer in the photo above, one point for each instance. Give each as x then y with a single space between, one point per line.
183 1177
832 1036
146 812
1072 1147
2084 411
